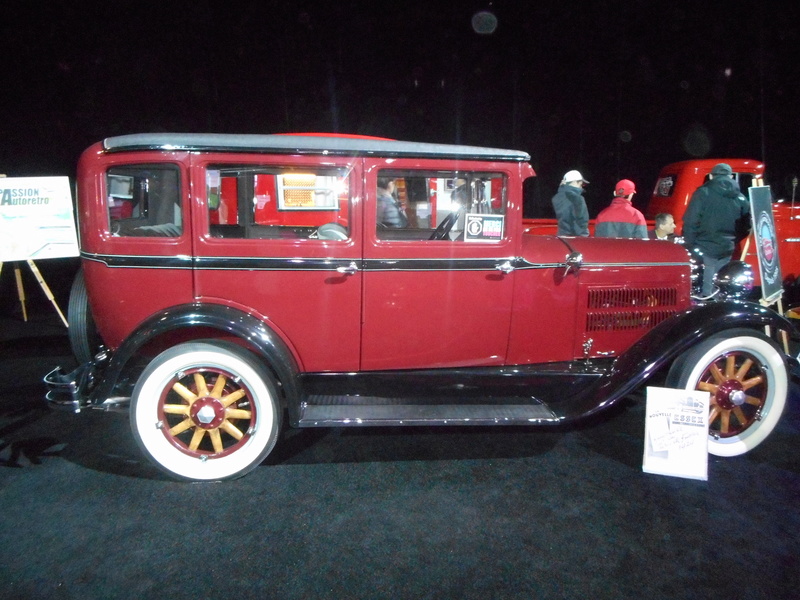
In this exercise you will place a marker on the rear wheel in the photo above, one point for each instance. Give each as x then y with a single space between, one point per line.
205 411
745 374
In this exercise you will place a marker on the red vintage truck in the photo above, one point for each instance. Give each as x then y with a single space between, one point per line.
671 194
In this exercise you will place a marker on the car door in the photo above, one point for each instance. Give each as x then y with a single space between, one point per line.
279 236
443 302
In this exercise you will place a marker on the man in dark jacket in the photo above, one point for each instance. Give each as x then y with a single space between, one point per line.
621 219
717 217
570 206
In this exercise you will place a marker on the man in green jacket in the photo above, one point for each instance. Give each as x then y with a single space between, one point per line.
570 206
718 216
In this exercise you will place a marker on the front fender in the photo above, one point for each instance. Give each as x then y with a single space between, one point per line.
230 321
664 343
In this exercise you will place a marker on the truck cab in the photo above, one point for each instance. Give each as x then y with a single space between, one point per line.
677 182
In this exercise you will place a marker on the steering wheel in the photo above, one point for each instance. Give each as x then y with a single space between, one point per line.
445 226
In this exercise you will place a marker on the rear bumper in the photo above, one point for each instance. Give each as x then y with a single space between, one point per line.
70 391
73 391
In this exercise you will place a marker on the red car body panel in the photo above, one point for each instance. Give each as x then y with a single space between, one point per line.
370 319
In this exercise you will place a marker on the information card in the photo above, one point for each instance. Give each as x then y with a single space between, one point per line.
676 433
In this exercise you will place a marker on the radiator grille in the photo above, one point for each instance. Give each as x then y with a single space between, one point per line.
621 309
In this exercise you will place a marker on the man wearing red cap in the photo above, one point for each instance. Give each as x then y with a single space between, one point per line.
620 219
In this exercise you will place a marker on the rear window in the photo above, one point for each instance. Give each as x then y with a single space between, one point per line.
144 200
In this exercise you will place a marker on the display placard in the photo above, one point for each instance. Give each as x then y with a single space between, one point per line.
484 228
36 219
766 241
676 433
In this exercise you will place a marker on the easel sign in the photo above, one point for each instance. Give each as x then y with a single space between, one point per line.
36 222
766 241
36 219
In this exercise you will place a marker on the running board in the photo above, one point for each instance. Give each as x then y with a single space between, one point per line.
327 411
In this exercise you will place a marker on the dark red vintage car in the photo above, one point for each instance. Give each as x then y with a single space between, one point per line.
230 283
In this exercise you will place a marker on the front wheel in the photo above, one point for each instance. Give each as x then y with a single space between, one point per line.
205 411
745 374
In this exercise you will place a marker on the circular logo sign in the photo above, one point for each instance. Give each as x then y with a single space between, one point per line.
475 226
768 245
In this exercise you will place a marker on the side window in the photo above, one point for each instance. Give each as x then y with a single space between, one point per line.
248 201
745 181
144 200
450 206
665 186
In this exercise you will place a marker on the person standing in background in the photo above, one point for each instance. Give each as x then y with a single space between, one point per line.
570 206
718 216
620 219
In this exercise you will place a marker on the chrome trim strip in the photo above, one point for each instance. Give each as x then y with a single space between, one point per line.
259 263
256 263
129 261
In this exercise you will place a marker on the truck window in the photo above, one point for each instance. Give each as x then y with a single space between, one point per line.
266 202
144 200
442 206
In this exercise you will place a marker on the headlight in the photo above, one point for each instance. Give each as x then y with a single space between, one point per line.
734 280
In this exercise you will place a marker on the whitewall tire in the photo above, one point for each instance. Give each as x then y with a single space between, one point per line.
746 376
205 411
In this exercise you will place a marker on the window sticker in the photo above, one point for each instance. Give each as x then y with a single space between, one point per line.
484 228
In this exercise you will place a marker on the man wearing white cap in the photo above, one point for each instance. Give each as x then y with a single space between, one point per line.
570 206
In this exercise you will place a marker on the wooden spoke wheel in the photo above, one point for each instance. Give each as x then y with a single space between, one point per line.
745 375
205 411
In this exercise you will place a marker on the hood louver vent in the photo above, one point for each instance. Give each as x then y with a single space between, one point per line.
621 309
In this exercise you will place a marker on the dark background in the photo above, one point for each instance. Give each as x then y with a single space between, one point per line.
615 89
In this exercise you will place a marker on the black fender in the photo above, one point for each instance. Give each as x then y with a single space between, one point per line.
259 337
664 343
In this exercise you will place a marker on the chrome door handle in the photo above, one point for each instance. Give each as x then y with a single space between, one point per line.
505 267
350 269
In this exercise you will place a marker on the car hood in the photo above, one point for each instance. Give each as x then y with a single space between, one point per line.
603 251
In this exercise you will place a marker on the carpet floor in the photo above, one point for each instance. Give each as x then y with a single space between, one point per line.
382 512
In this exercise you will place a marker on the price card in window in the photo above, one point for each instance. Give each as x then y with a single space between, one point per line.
36 219
676 433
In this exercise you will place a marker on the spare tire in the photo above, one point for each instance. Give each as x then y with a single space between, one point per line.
83 337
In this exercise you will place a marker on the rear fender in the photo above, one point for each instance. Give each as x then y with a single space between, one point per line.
228 321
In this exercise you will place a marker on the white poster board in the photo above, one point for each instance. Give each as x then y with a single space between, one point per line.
36 219
676 433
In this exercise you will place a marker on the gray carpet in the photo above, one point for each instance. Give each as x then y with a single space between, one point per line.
381 513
